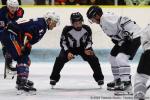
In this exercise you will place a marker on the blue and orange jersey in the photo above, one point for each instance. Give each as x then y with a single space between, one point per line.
35 28
6 16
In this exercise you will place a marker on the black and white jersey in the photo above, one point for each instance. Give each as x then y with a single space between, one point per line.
116 27
145 38
72 38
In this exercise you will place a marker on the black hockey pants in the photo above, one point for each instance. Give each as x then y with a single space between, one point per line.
62 59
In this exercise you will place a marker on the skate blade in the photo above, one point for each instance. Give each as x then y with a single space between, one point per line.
111 89
100 86
19 92
52 86
32 93
119 93
22 92
9 77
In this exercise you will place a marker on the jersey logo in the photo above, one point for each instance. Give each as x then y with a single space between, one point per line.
22 21
41 31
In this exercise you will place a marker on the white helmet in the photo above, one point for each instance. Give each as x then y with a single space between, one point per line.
53 16
12 3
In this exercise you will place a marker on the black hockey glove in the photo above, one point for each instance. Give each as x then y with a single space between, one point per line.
118 42
127 36
13 27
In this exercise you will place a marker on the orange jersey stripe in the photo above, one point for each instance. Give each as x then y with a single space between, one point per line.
17 47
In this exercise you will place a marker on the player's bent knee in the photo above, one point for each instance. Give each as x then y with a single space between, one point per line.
122 59
61 59
141 78
91 58
112 60
144 64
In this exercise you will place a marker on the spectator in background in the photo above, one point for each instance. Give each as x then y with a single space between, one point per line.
107 2
132 2
145 2
50 2
59 2
121 2
82 2
4 2
141 2
137 2
70 2
94 2
40 2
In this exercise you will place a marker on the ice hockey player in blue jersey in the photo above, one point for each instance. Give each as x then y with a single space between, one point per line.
19 38
10 13
76 40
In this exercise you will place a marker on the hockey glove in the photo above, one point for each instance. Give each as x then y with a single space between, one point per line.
127 36
70 56
118 42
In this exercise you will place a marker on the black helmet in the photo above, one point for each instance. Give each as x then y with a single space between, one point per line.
93 10
76 17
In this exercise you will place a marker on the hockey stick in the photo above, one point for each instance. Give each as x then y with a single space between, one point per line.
5 73
25 40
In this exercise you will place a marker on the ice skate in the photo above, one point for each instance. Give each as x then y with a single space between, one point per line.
52 83
139 96
123 88
30 83
111 85
24 86
100 83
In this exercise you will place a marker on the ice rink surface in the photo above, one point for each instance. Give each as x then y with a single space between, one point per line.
76 83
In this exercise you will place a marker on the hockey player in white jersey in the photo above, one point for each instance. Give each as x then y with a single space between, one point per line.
125 34
143 70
